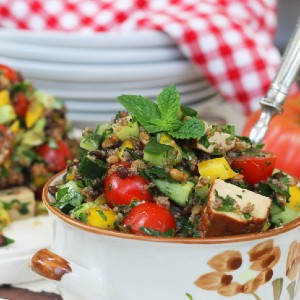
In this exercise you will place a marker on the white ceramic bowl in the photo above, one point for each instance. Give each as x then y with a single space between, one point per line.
92 263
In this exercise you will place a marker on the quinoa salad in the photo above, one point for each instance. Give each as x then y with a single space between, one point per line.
34 145
159 170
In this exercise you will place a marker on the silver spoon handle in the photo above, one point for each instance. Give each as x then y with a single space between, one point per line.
286 73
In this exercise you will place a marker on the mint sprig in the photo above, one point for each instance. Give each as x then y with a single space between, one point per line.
192 128
164 115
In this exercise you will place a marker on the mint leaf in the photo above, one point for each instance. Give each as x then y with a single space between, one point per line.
142 108
168 102
188 111
192 128
166 125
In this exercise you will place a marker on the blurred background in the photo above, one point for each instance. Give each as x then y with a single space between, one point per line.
88 72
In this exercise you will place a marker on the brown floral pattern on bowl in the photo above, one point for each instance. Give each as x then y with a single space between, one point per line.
263 257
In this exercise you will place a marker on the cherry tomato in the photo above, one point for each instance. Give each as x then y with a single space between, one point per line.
20 104
255 166
121 191
55 157
283 135
149 216
3 130
9 73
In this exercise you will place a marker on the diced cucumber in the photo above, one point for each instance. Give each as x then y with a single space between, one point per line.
7 114
48 101
80 209
25 154
82 153
284 217
275 209
178 192
101 128
68 196
124 131
64 189
201 193
91 167
90 142
157 154
36 135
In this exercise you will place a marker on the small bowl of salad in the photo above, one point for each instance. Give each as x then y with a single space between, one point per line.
35 144
160 204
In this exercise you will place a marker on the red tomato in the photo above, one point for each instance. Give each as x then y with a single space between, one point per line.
3 130
150 216
21 104
9 73
55 157
255 167
283 135
120 191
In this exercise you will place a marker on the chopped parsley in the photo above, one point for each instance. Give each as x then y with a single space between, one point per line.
228 203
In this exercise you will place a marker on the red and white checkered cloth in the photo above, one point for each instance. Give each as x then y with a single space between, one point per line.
230 41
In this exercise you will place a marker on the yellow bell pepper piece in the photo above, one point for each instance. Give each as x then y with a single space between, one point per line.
4 97
71 175
40 181
101 218
126 144
34 112
15 126
8 164
4 218
215 168
294 201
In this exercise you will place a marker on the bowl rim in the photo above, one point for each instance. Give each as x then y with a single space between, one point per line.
177 240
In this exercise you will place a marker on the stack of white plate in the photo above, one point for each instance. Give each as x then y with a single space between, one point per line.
87 71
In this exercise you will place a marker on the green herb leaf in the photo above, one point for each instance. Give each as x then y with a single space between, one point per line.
229 129
143 109
204 141
228 203
189 296
168 102
102 215
83 217
164 125
157 172
188 111
153 232
7 241
192 128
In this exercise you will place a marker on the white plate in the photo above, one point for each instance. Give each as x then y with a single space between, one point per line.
105 111
90 56
92 119
30 235
112 94
133 39
94 86
102 73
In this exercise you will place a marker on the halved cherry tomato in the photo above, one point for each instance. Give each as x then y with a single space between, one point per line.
9 73
20 104
256 166
56 156
121 191
149 216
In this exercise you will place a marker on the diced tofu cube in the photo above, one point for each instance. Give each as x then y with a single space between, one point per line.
19 202
231 210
